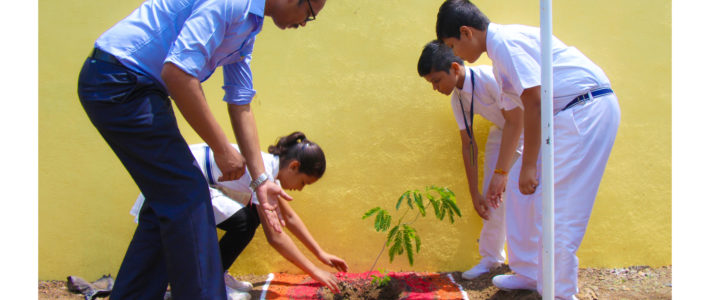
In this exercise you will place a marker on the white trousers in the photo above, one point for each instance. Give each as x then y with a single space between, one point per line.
521 236
583 137
491 242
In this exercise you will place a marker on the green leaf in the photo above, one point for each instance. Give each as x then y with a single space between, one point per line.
409 201
371 212
387 220
383 220
455 207
418 241
436 205
385 280
435 188
450 192
397 246
452 207
408 247
442 210
379 220
420 203
446 208
413 235
392 251
401 198
391 234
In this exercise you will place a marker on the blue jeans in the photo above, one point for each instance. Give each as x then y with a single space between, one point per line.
175 241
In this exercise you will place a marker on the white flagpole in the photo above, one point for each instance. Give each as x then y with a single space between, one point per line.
548 155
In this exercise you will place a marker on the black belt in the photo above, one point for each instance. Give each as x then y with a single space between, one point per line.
587 96
102 55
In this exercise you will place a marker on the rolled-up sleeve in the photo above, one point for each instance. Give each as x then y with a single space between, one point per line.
238 82
188 61
201 34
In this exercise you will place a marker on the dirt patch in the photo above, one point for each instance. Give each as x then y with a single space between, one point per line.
637 282
361 289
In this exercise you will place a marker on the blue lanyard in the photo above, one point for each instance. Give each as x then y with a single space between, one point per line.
469 128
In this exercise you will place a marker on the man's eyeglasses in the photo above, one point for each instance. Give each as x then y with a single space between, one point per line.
311 17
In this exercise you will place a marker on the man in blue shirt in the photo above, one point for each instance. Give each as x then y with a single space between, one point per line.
168 47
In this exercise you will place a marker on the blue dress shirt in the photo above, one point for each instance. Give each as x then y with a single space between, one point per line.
196 35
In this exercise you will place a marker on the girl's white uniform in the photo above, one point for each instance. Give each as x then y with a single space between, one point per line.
239 192
583 137
488 104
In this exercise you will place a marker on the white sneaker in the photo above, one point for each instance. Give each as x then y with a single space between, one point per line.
514 282
233 294
242 286
476 271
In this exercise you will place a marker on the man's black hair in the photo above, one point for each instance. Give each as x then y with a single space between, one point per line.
436 57
456 13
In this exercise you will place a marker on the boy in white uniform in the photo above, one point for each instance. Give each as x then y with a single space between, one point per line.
586 119
474 90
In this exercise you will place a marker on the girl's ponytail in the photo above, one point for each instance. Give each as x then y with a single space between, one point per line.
296 146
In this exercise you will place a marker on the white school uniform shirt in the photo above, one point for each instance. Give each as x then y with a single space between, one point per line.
223 206
487 100
515 52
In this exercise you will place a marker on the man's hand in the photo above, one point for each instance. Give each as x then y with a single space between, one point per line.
496 188
268 194
480 205
230 163
334 262
528 179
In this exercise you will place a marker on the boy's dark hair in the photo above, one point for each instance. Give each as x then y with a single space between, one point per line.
436 57
296 146
456 13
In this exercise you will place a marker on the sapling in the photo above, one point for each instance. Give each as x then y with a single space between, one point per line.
380 281
403 237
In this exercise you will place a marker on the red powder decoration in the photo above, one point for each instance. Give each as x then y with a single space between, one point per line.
417 285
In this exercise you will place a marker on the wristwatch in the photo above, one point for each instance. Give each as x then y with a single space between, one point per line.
258 181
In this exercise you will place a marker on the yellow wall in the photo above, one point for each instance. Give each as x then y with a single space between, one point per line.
349 81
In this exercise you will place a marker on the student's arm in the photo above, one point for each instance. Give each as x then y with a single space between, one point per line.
531 148
285 246
472 174
509 142
298 229
186 91
244 126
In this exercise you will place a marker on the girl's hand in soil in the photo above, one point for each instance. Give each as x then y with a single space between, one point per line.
334 262
327 279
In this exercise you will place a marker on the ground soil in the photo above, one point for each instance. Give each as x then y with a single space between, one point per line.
637 282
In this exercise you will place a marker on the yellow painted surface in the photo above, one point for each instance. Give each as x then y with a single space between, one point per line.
349 81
